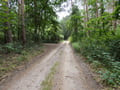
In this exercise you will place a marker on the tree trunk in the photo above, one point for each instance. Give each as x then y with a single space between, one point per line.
7 31
96 3
87 16
96 9
114 21
21 23
86 7
102 12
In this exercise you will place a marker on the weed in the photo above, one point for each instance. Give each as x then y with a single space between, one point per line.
47 83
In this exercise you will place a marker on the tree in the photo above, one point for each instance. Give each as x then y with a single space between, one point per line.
21 22
76 20
7 30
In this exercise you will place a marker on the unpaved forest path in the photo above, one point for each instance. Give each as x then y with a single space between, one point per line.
71 73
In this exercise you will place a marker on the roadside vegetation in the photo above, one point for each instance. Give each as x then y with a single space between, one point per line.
18 60
95 33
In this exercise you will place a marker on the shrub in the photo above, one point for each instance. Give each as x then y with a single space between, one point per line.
76 46
8 47
102 52
11 47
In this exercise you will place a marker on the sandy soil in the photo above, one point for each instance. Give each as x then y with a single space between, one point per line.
71 74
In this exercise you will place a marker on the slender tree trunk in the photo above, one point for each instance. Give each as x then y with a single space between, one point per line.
96 9
86 9
87 16
96 13
102 11
21 24
114 21
19 20
7 31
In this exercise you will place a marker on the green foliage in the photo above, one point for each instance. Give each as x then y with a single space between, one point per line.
116 12
8 47
66 28
53 33
76 46
110 78
102 52
11 47
115 49
45 27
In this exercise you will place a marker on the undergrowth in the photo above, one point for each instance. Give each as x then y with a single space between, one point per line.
103 53
12 57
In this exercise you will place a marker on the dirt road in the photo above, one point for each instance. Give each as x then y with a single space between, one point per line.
71 74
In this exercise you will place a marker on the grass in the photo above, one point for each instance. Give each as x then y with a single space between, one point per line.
47 84
11 61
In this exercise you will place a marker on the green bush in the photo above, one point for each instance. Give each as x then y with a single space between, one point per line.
11 47
102 52
110 78
8 47
115 49
76 46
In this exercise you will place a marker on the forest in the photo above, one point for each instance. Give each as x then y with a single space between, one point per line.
94 32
